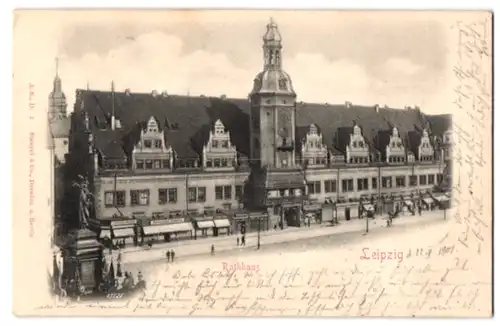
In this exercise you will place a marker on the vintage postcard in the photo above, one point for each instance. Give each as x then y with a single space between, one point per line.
252 163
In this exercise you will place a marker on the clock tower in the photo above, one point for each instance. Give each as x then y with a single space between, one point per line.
272 108
276 181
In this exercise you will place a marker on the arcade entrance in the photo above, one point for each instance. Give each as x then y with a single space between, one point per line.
292 215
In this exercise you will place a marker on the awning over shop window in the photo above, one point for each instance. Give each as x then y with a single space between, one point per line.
205 224
408 203
428 201
123 232
177 227
222 223
105 233
312 207
442 198
369 207
155 229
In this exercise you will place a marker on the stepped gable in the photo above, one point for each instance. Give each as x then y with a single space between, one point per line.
337 121
187 121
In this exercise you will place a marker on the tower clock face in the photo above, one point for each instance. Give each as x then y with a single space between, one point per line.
285 120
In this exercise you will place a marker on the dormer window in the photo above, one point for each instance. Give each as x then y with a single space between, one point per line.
215 143
224 144
157 143
147 144
360 143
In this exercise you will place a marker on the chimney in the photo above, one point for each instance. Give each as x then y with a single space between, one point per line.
377 108
127 91
348 104
164 94
154 93
223 97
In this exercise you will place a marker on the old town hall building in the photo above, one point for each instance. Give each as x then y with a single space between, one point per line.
163 166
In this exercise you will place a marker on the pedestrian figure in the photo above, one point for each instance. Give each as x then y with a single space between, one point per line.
243 240
238 241
212 250
168 255
275 227
420 210
172 254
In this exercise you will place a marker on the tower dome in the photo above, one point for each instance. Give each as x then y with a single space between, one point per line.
273 81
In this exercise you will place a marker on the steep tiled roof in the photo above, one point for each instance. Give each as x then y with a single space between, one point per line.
414 138
439 123
187 120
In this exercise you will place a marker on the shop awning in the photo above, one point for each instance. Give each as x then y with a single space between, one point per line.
155 229
177 227
369 207
428 200
222 223
205 224
312 207
123 232
442 198
105 233
408 203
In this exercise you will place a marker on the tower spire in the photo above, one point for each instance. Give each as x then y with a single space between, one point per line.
57 67
272 46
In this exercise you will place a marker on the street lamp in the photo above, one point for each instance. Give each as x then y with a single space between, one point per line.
366 222
258 235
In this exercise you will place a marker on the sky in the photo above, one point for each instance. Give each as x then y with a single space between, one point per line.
386 58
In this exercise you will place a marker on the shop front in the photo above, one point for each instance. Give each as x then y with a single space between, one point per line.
443 201
407 205
123 232
166 230
427 202
347 210
387 204
237 220
312 212
105 236
204 226
328 213
222 225
258 221
288 207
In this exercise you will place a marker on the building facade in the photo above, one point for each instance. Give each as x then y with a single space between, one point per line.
165 166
